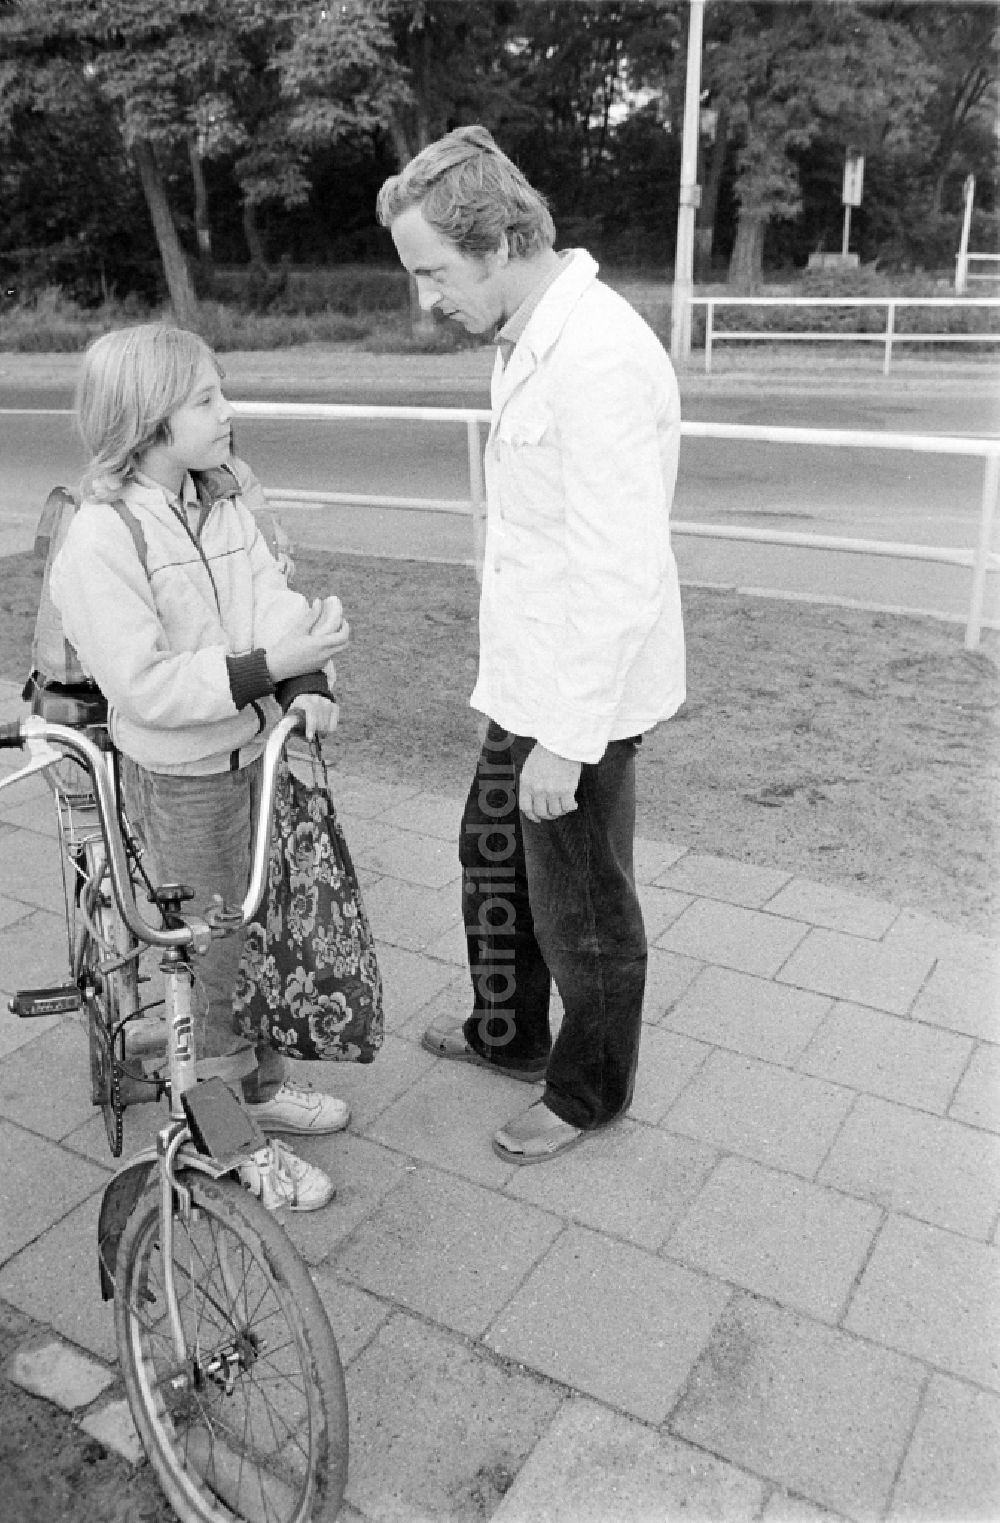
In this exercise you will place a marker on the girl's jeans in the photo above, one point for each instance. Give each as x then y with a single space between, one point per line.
199 831
556 899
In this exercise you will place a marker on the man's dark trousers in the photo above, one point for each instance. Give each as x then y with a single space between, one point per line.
556 900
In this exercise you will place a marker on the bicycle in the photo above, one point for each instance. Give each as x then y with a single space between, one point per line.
230 1366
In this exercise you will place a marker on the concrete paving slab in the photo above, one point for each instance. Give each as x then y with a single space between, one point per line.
863 972
449 1116
783 1507
355 1316
934 1295
367 796
885 1055
668 974
438 1430
34 951
450 947
760 1111
12 910
821 904
719 878
573 1318
41 1182
111 1425
432 814
31 873
369 1088
977 1099
15 1032
409 981
660 907
58 1372
777 1235
446 1249
407 916
652 857
628 1180
410 857
55 1280
363 1174
733 937
952 1467
754 1016
823 1413
937 1170
45 1086
963 991
28 809
667 1063
596 1466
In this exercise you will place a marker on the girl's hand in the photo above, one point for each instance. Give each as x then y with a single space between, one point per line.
306 651
321 713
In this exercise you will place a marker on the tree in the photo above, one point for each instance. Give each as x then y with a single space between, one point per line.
788 75
190 80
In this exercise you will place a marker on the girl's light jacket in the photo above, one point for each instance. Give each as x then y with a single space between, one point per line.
156 637
581 638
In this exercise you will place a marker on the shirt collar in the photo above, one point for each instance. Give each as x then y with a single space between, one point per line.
519 319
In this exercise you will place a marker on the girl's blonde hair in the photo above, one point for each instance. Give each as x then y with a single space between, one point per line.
131 381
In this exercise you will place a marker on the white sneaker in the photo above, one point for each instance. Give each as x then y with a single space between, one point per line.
278 1177
299 1108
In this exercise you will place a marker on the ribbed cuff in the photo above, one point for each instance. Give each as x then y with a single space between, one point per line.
249 677
289 688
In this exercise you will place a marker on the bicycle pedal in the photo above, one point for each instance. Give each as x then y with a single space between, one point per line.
28 1003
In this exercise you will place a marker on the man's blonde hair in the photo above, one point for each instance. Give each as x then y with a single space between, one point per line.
471 194
131 381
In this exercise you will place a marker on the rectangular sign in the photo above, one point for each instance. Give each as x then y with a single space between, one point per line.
854 174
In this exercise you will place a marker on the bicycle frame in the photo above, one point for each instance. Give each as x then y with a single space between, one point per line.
180 937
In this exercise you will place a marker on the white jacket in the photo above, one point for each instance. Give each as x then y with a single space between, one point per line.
581 636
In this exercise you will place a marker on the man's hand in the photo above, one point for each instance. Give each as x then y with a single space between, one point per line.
321 713
548 785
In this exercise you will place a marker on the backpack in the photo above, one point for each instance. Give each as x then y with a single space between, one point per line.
53 658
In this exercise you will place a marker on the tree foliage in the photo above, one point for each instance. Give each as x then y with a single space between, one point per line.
264 127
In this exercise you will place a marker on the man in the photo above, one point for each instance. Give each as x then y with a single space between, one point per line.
581 638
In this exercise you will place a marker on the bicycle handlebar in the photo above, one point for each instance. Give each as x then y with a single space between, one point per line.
40 738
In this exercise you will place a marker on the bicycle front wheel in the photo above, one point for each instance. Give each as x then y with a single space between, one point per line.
251 1422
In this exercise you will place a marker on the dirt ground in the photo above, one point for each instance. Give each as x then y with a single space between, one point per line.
858 749
855 748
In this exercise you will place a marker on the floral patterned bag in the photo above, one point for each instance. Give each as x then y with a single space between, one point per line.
309 981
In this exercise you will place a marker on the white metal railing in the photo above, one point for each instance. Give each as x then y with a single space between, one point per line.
887 338
980 561
984 259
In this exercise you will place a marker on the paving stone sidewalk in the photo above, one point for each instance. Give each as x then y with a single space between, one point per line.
770 1292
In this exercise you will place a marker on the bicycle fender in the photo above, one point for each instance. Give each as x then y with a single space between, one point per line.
117 1204
120 1198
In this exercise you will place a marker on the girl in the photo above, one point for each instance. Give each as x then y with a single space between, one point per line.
188 626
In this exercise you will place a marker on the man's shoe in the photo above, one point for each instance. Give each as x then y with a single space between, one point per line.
535 1136
447 1040
278 1177
300 1109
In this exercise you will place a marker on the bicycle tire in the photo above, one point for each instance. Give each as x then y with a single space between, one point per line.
253 1424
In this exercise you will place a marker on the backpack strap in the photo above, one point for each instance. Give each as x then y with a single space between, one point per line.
135 528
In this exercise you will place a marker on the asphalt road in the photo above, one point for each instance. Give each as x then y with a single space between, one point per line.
872 494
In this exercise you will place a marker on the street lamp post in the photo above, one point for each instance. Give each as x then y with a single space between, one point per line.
690 193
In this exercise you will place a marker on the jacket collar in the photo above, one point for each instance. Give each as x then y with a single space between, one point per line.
210 486
544 327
